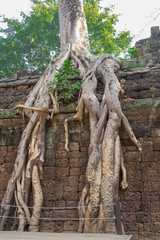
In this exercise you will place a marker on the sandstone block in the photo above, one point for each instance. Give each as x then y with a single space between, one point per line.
135 186
59 226
132 156
62 162
69 196
74 162
74 146
71 226
74 154
60 146
71 188
61 154
62 172
155 132
135 174
156 143
147 155
73 213
75 172
73 180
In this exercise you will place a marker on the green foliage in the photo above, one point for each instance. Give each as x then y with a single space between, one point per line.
66 85
101 24
32 42
132 64
132 52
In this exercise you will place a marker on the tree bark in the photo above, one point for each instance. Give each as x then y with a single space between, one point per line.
73 27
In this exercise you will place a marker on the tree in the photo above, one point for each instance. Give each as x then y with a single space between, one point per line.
105 154
32 42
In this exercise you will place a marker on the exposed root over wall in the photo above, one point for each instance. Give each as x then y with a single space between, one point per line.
105 154
28 167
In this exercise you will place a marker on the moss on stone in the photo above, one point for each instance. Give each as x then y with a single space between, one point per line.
9 113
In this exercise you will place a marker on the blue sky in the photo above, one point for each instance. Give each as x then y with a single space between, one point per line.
136 16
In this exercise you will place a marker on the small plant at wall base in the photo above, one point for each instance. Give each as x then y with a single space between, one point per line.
66 85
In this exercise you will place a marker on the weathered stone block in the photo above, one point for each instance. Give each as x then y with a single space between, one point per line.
61 154
84 143
50 153
155 132
151 174
135 186
73 154
151 186
59 226
71 226
69 196
74 162
50 171
150 196
73 213
147 155
73 180
132 175
75 172
133 166
71 188
62 172
156 143
132 157
59 213
62 162
71 203
60 146
48 226
50 162
73 137
74 146
3 151
60 203
129 217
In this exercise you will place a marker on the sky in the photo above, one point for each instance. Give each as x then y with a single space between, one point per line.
134 15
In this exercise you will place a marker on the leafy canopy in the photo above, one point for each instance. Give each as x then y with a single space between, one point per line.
30 43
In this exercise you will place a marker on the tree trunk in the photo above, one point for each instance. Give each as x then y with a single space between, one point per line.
72 21
105 154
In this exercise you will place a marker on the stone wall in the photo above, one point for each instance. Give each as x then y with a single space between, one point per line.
64 172
149 47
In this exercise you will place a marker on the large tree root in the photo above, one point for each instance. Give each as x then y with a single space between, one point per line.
105 154
96 206
30 157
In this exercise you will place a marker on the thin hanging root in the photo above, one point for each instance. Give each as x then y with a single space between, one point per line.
66 129
124 184
33 108
78 117
55 109
131 133
81 68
